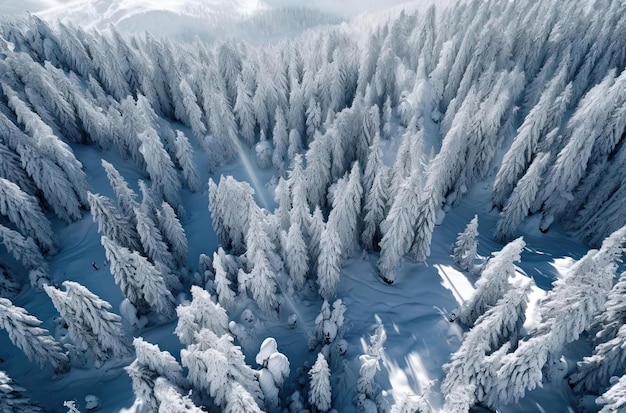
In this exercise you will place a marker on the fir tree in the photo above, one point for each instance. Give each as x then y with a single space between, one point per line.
614 399
376 180
24 212
493 283
398 227
201 313
170 400
464 251
173 232
150 364
185 157
91 325
112 223
139 280
329 262
320 390
13 399
25 333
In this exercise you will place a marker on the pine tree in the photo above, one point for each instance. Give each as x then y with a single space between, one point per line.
156 249
215 364
262 284
344 217
329 262
173 232
614 316
398 227
160 166
139 280
499 324
520 201
320 390
595 371
244 110
297 257
230 224
112 223
316 228
185 157
493 283
193 113
225 296
170 399
126 197
464 251
13 399
91 325
25 250
566 312
614 399
201 313
280 138
24 212
25 333
376 181
150 364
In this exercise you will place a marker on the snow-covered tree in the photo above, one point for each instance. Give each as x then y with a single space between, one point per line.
274 370
24 212
126 197
156 249
193 113
170 400
160 166
614 316
230 224
398 227
499 324
139 280
280 139
185 158
320 390
366 384
37 343
173 232
595 371
297 257
329 262
464 251
244 111
201 313
493 283
262 283
569 308
215 365
376 181
344 217
150 364
91 325
25 251
316 228
225 296
13 399
614 399
520 201
112 223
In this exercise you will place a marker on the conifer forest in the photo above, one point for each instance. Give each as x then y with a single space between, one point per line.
286 207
